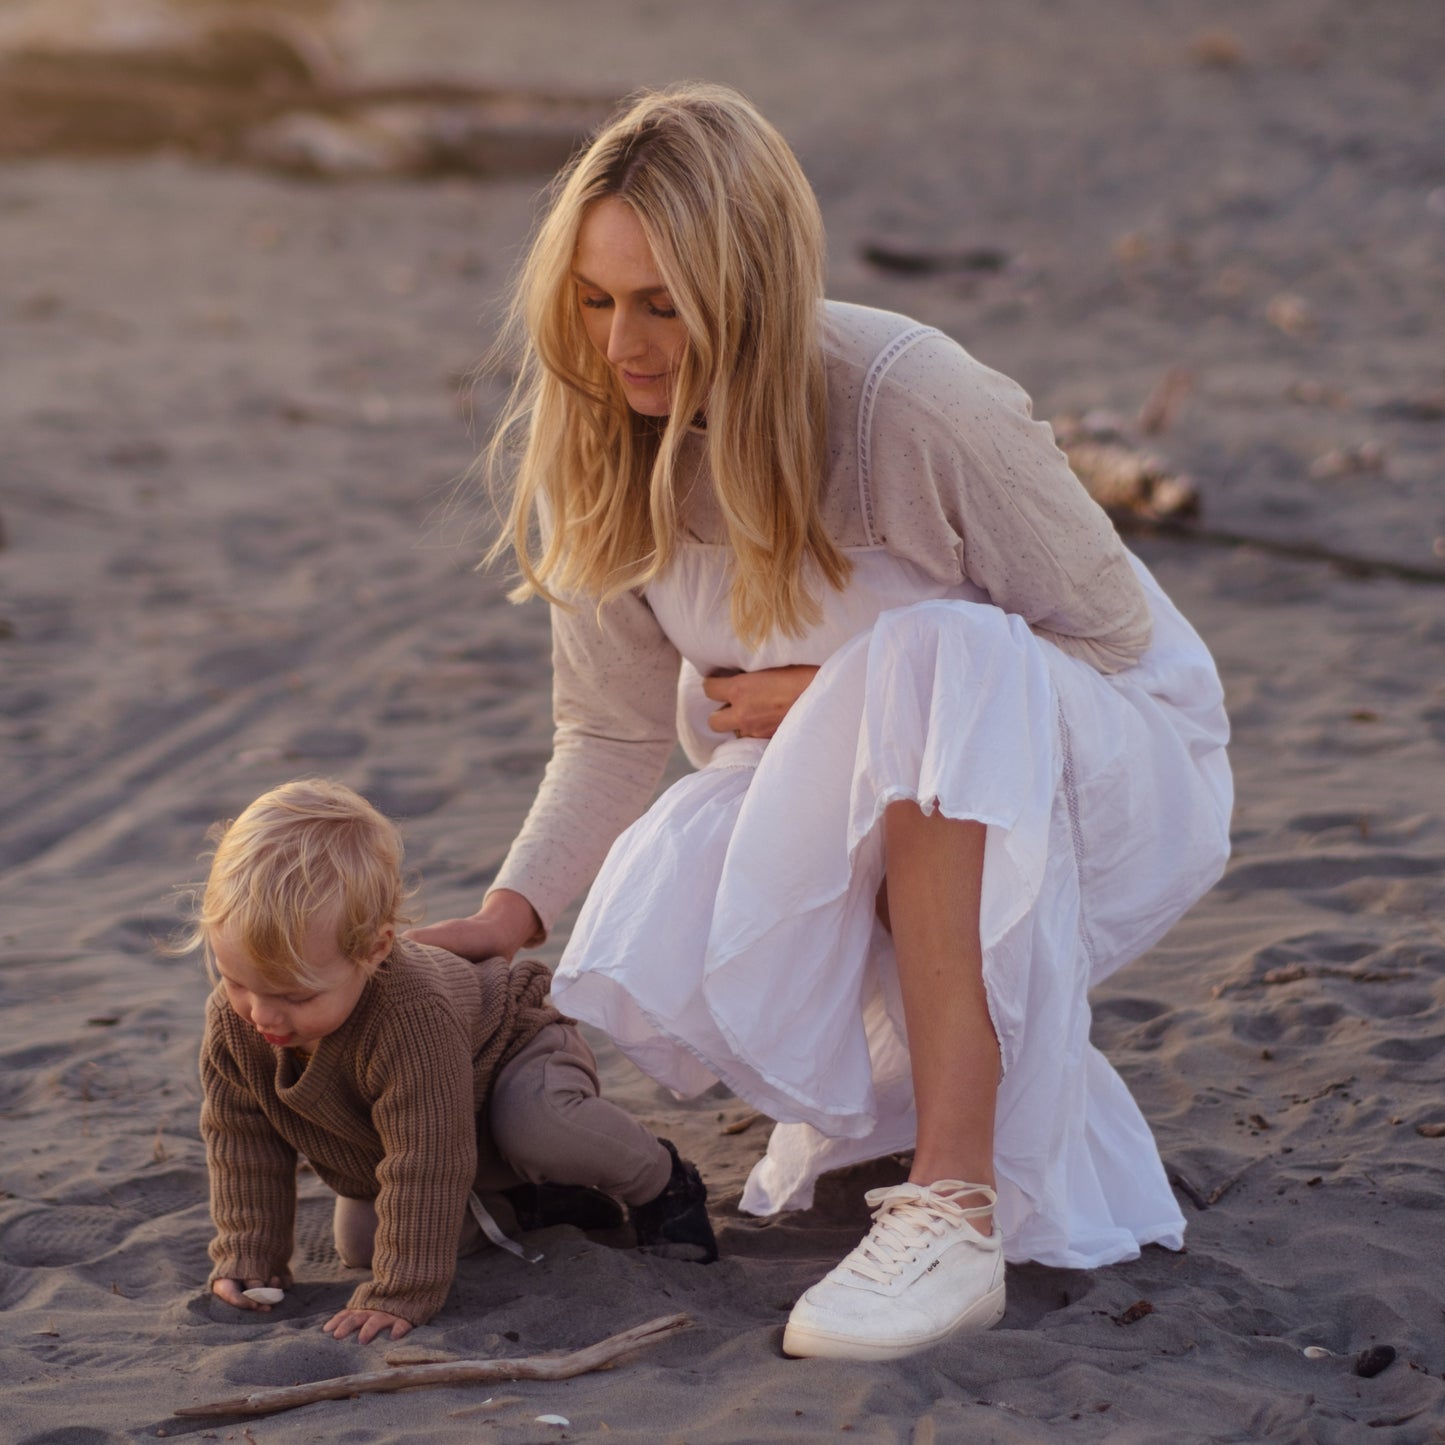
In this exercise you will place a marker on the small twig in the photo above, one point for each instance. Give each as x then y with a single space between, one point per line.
455 1372
1333 1088
742 1125
1220 1190
1197 1197
1382 1422
1294 973
1187 1190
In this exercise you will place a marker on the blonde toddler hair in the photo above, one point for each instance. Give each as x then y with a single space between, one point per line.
306 849
737 237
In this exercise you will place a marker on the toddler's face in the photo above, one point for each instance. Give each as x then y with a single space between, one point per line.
296 1017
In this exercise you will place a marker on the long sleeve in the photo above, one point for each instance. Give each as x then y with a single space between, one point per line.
252 1171
418 1071
964 479
614 701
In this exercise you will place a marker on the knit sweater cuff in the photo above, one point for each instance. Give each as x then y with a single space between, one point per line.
416 1305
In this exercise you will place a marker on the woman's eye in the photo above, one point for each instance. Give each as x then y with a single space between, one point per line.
666 313
597 303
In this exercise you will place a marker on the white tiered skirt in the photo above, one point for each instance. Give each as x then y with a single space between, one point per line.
732 936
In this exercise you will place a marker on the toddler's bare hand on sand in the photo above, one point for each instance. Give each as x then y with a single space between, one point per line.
233 1292
755 703
367 1324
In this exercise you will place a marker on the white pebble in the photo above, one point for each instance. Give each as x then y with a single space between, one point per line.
264 1296
1317 1352
552 1420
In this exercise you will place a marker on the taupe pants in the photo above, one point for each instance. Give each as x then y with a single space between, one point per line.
547 1123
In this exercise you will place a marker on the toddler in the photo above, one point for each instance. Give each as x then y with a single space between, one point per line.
411 1080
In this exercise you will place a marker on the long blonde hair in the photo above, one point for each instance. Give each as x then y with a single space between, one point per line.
737 238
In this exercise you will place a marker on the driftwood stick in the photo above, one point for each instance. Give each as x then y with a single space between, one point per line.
454 1372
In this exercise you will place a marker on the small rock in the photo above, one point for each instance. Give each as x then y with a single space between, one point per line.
263 1295
1367 456
1318 1352
1217 50
1430 407
1308 392
1369 1363
907 260
1291 314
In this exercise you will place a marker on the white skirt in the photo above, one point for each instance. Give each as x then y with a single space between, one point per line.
731 934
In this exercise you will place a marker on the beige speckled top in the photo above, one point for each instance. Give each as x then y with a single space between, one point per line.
932 456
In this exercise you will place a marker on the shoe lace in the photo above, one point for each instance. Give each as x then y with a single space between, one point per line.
906 1219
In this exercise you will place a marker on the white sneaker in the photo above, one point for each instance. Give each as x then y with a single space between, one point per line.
923 1273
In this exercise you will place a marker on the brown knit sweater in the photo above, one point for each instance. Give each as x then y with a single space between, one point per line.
385 1110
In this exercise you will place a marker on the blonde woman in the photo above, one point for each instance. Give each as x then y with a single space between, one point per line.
957 756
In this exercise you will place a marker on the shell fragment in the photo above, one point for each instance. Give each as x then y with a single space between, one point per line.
265 1296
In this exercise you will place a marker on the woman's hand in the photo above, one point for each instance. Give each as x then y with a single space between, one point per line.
366 1324
754 703
233 1291
504 923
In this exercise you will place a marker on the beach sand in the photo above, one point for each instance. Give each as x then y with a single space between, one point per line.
236 411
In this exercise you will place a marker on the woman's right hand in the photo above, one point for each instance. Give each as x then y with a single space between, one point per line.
754 704
233 1292
504 923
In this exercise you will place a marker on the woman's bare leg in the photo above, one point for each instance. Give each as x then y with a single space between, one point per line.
932 1264
935 881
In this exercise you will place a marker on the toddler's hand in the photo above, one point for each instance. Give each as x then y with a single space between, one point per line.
232 1291
370 1323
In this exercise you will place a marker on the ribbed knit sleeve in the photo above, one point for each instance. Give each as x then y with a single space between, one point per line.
252 1168
963 479
614 703
417 1070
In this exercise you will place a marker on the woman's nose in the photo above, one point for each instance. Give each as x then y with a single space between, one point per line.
624 337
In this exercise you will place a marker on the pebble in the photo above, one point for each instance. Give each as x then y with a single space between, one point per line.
264 1295
1369 1363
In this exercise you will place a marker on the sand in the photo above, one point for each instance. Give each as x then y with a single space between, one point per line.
235 414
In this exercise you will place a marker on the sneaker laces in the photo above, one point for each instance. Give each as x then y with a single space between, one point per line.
909 1217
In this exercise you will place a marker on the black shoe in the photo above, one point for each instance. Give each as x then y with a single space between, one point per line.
675 1224
540 1206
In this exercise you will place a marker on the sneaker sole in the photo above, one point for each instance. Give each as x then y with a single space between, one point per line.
806 1342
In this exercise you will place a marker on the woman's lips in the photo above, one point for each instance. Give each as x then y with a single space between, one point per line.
277 1039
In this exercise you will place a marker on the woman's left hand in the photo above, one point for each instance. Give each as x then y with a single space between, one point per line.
754 703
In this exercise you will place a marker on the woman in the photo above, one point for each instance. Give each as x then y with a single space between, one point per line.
958 756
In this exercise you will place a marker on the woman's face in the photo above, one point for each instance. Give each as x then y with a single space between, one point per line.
626 310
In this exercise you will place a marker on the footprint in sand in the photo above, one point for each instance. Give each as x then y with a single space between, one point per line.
73 1435
1316 874
64 1234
